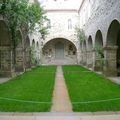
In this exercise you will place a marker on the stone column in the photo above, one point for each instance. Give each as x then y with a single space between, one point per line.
98 61
85 58
6 63
81 56
19 60
89 59
110 63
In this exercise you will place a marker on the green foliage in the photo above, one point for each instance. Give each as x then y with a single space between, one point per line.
80 34
100 51
19 14
43 32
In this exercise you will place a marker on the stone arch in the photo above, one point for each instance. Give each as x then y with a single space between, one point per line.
90 52
99 39
4 34
33 53
90 43
33 43
27 42
27 53
5 49
19 39
70 38
112 33
37 45
113 49
57 47
84 46
99 54
37 52
19 67
84 53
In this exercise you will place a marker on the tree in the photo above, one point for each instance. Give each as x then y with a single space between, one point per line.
19 14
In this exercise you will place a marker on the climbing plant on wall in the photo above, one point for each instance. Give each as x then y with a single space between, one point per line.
80 34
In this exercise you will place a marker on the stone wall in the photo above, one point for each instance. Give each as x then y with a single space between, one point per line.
59 26
103 13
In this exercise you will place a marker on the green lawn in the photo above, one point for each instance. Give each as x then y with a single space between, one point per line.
84 85
35 86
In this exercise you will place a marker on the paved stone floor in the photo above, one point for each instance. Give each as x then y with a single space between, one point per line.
3 80
61 101
61 116
115 79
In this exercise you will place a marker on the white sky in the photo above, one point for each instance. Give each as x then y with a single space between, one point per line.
61 4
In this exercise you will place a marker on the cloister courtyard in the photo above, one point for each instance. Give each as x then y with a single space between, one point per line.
60 57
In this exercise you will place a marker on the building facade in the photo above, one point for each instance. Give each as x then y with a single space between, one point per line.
100 21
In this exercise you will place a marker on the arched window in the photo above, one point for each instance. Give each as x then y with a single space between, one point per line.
49 24
69 24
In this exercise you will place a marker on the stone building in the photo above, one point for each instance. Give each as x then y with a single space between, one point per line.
61 45
23 50
100 21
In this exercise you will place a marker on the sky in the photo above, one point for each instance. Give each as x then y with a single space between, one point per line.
61 4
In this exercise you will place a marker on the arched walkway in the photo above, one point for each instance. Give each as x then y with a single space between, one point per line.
5 50
113 49
59 51
37 52
99 53
33 53
19 53
84 53
90 52
27 53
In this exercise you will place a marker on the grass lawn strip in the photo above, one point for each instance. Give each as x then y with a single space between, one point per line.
36 86
85 86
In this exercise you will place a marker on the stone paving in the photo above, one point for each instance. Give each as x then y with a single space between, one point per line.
115 79
61 101
61 116
3 80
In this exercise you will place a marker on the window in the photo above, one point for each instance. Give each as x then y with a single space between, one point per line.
69 24
49 24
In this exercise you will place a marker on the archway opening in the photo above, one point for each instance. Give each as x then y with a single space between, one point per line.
27 53
90 44
99 53
59 51
5 50
84 53
113 39
90 53
33 53
19 67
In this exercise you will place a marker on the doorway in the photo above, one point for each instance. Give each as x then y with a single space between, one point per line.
59 50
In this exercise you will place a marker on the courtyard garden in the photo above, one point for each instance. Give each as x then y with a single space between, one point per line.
29 92
33 91
89 91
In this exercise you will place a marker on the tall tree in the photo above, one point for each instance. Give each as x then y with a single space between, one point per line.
19 14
